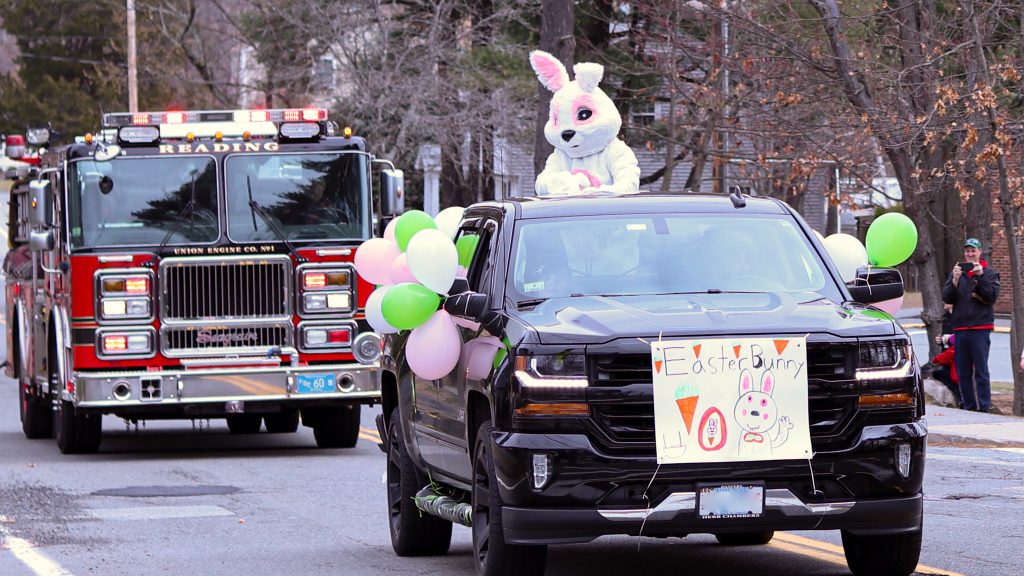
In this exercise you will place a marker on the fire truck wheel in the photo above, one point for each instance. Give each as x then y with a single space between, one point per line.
76 432
36 417
284 422
336 426
244 423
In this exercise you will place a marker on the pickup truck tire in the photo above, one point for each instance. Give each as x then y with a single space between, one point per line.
337 426
244 423
883 555
284 422
76 432
36 415
413 533
492 556
745 538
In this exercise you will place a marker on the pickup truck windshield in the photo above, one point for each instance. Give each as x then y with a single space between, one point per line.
664 254
137 201
308 196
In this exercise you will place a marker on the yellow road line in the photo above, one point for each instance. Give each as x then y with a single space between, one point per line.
369 434
832 553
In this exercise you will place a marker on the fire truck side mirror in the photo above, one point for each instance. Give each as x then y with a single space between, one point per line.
40 240
392 191
40 202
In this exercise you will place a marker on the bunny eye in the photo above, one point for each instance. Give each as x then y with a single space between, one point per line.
584 113
764 402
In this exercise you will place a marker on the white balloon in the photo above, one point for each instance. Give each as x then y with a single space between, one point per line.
847 253
448 220
433 259
373 313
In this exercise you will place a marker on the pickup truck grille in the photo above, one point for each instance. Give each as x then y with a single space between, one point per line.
230 288
627 420
188 341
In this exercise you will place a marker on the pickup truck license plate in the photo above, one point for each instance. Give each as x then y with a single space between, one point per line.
731 501
314 383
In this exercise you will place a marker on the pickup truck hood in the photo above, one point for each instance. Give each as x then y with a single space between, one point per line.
600 319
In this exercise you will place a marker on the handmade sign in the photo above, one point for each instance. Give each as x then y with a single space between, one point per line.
730 400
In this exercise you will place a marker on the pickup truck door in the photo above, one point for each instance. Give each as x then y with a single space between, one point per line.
453 389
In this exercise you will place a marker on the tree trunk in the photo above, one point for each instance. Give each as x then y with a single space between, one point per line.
556 38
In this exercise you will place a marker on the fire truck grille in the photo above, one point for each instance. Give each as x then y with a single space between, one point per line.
179 341
228 289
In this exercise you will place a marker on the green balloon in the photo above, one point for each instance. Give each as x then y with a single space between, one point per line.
502 352
891 239
408 305
408 225
466 247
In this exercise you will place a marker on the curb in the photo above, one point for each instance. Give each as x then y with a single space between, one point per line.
909 325
944 438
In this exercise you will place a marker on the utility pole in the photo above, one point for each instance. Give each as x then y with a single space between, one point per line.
133 87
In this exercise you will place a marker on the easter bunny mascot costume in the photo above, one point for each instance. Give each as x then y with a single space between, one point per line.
583 127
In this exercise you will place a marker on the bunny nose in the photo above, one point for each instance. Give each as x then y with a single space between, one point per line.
568 134
755 413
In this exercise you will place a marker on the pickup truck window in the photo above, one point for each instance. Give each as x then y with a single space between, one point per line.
659 254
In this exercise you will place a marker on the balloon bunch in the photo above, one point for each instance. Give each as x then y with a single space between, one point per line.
414 265
891 239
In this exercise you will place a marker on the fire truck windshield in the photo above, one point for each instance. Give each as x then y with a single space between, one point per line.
310 196
138 201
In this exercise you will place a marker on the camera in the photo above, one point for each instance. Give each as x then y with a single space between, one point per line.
966 267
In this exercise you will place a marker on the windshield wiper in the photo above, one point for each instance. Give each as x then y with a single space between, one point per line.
257 209
530 303
188 210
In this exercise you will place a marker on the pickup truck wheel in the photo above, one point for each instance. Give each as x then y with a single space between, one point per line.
413 533
244 423
745 538
36 414
491 554
883 555
76 432
284 422
337 426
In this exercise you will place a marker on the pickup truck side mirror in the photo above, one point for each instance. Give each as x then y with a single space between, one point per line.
469 305
876 285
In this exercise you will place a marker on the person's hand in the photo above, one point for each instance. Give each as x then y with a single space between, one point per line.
978 270
1022 363
938 340
956 274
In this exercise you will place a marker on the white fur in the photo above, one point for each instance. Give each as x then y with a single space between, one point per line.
592 158
759 398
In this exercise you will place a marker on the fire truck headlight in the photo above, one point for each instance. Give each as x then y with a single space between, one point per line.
314 302
126 343
114 308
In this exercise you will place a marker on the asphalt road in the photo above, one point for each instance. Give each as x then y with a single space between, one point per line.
171 499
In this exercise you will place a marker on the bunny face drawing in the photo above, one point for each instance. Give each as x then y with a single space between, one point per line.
583 126
758 416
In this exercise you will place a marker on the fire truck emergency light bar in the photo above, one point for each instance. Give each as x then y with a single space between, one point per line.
207 123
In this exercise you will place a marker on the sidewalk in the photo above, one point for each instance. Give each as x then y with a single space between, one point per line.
949 425
911 318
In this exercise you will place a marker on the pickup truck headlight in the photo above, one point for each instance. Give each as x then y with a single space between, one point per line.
551 385
886 370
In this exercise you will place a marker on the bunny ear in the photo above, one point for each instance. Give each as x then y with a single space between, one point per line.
746 382
549 70
588 75
767 382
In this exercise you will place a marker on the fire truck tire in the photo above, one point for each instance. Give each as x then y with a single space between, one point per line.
76 432
284 422
337 426
244 423
36 415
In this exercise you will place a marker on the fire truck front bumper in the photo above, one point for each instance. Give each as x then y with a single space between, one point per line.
220 390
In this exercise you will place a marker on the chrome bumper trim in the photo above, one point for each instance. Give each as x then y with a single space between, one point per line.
778 499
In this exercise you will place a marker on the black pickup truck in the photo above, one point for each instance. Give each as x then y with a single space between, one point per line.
557 443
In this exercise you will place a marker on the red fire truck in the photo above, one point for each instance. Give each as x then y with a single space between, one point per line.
197 265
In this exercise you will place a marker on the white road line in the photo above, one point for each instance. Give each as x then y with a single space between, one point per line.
975 460
160 512
27 553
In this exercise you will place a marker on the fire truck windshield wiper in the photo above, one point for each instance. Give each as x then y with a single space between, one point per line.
189 210
257 209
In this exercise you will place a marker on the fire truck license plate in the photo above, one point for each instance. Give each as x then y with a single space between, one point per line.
314 383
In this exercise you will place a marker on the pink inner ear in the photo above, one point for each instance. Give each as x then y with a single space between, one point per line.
767 383
746 382
549 71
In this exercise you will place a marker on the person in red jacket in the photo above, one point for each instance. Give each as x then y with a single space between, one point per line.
944 368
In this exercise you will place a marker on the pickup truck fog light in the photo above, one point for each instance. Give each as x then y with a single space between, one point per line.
903 460
541 470
366 348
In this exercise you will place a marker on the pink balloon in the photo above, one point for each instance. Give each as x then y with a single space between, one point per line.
389 230
400 271
461 272
479 355
891 306
433 348
373 260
